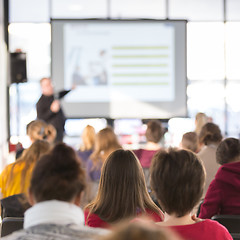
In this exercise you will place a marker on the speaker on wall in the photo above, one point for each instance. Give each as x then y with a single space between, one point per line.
18 67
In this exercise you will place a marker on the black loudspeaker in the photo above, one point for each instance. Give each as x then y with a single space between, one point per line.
18 67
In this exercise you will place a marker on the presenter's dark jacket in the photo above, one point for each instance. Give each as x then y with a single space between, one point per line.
56 119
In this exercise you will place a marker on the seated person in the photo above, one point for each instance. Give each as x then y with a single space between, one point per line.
223 195
106 142
55 193
177 178
190 142
87 146
122 193
15 178
210 136
153 135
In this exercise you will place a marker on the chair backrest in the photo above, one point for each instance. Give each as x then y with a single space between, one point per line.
231 222
14 206
10 225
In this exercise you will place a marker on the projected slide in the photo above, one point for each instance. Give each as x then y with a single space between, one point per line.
115 62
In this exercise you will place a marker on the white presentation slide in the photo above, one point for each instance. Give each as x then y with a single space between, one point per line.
115 62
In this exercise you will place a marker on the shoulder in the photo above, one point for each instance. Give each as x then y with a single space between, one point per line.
155 216
93 220
219 230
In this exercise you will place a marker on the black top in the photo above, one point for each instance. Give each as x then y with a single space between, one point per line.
44 113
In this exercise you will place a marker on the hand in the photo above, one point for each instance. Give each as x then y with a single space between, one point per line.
55 106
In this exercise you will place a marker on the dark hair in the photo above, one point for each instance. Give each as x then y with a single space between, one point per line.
122 189
210 133
177 178
190 141
154 131
58 175
228 150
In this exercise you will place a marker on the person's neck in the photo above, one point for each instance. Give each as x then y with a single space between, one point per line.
173 220
152 146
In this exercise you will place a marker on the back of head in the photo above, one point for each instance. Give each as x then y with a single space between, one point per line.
177 177
57 175
200 120
154 131
228 151
36 130
122 188
107 139
190 141
50 133
88 138
140 230
210 133
106 143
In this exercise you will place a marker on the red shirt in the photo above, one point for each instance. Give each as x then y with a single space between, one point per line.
94 220
223 195
207 229
145 156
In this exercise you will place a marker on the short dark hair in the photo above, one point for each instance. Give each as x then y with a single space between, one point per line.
210 133
228 150
58 175
154 131
177 178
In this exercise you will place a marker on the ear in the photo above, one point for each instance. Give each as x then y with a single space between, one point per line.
77 199
31 198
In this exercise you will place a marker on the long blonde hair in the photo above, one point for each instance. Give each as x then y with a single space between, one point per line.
106 143
200 120
30 156
88 138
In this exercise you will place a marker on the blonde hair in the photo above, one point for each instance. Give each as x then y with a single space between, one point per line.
39 130
88 138
106 143
30 156
200 120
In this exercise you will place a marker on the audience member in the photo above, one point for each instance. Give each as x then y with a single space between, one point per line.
190 142
87 146
153 135
55 193
177 177
106 143
210 136
200 120
122 193
223 195
140 230
15 178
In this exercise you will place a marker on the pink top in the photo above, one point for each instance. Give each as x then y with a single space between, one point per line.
145 156
207 229
93 220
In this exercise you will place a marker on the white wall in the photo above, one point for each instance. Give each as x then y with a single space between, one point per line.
3 97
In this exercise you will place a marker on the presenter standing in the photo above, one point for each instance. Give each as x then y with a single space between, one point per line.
49 108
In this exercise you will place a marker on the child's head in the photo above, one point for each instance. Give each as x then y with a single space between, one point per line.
228 151
190 141
177 177
154 131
